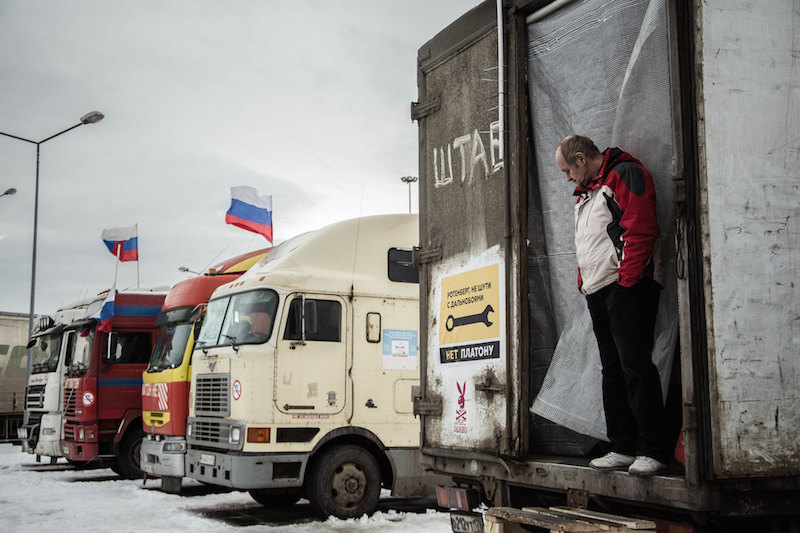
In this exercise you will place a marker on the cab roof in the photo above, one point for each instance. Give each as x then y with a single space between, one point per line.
344 257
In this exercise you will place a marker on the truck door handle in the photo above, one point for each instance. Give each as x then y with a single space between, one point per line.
488 386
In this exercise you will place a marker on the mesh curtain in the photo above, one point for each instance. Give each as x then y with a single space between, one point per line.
600 69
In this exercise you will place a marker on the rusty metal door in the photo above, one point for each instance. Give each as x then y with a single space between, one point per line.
467 387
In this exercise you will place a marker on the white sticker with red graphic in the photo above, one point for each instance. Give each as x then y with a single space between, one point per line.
460 425
88 398
236 391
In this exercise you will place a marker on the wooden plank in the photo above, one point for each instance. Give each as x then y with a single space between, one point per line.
541 517
493 524
630 523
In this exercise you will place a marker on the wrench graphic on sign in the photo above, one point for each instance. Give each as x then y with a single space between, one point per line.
452 322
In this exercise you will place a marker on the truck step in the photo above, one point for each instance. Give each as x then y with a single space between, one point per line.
567 519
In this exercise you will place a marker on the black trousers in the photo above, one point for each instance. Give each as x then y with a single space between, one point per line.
624 319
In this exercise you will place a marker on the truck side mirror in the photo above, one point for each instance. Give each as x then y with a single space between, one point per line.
198 312
309 318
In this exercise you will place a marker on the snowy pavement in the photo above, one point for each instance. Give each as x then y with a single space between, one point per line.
42 497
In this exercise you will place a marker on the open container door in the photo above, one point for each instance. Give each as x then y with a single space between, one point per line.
468 391
750 155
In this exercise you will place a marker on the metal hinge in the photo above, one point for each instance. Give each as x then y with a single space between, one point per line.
428 406
689 416
423 109
677 189
490 385
420 256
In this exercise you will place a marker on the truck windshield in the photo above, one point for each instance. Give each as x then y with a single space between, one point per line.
170 347
45 354
244 318
81 350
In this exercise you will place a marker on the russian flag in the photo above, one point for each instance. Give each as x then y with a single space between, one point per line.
250 211
122 242
106 313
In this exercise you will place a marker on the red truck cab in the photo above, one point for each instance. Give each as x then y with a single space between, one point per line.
102 389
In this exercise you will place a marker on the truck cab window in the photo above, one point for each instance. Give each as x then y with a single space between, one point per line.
129 348
45 353
80 349
401 266
323 320
244 318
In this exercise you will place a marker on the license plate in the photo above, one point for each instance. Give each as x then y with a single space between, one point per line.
463 522
207 459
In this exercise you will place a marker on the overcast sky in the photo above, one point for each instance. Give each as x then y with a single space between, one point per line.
304 100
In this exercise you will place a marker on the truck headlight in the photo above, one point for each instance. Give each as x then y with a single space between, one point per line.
175 447
188 429
236 435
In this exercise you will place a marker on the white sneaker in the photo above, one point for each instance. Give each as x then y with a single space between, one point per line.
646 466
612 460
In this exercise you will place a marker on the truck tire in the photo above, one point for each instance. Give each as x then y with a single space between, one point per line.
127 463
275 498
345 482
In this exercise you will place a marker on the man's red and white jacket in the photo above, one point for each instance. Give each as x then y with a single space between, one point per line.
616 229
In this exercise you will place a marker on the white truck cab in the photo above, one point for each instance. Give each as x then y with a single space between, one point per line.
305 368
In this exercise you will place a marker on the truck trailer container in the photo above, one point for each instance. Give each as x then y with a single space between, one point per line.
304 371
705 93
13 361
165 383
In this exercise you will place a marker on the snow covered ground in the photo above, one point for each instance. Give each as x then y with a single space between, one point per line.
43 497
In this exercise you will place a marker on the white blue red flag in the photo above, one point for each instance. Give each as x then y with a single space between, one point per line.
250 211
122 242
106 313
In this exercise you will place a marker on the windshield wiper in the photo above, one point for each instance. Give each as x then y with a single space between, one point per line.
155 368
234 345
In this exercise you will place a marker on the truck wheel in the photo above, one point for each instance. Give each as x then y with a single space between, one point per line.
127 463
344 483
274 498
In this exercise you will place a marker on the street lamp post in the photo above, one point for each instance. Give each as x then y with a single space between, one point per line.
409 180
92 117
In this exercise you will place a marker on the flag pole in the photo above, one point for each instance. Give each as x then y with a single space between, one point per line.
137 255
114 292
116 267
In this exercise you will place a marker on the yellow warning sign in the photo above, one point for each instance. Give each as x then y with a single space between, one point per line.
470 307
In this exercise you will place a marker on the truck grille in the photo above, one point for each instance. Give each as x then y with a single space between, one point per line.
69 432
215 433
70 402
34 397
211 395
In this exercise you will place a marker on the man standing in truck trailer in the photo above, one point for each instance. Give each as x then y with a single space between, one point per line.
616 232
